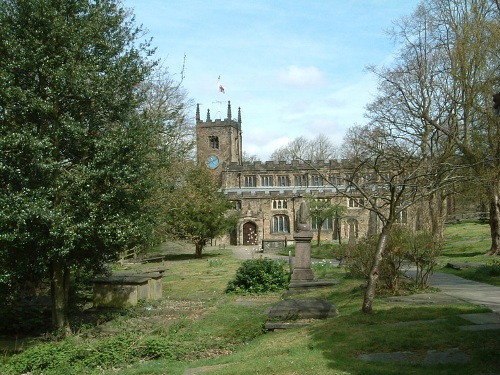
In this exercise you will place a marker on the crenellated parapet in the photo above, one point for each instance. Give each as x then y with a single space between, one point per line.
228 121
294 165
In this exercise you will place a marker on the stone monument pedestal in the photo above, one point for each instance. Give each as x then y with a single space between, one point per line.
292 312
302 268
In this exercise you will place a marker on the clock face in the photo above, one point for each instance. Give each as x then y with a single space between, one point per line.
212 162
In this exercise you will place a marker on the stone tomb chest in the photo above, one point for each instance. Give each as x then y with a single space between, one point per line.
126 289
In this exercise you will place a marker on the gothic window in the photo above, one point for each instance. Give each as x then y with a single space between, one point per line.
266 181
279 204
250 181
214 142
300 180
327 224
335 180
403 217
283 181
316 180
353 203
280 224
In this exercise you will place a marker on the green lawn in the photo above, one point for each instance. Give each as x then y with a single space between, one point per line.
196 325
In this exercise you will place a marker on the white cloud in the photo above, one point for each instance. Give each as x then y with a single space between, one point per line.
302 77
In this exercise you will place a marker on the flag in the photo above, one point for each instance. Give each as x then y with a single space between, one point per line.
221 89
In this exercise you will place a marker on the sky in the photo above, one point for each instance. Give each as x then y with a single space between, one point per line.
294 67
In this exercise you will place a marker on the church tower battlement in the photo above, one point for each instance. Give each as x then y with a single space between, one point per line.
218 141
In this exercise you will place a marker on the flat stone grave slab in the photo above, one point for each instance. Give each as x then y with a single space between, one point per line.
431 358
302 308
482 321
482 318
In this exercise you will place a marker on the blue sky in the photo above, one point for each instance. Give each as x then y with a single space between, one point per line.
295 67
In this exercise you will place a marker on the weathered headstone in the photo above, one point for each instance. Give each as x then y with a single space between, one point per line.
303 235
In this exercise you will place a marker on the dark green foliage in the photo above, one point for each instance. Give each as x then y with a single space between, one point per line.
259 276
490 270
22 317
196 210
76 153
71 357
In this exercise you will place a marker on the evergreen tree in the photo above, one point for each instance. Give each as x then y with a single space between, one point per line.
195 209
75 154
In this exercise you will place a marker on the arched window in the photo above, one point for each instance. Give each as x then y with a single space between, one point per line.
280 224
327 224
214 142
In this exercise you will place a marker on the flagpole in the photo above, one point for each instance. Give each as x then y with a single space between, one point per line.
220 88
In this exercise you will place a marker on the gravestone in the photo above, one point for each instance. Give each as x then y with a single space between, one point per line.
303 235
293 312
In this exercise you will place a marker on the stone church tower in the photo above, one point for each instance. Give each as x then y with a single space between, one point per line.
218 141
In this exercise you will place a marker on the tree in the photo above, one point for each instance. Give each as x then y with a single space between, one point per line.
451 75
319 148
168 104
322 210
75 154
246 157
195 209
387 176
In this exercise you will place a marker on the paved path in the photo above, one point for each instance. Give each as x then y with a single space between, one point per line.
467 290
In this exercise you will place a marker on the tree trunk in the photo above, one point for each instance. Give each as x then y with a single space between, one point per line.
59 285
495 220
374 272
437 212
199 249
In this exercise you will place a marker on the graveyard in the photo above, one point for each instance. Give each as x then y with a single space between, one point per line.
197 328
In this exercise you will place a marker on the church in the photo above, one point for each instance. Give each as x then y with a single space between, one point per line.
267 194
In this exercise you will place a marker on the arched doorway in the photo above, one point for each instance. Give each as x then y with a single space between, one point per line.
249 233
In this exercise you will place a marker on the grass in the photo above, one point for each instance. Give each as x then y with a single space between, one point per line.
469 243
325 250
223 333
332 346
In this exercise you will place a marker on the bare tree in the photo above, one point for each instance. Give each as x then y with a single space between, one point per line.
319 148
411 99
388 177
246 157
448 81
169 104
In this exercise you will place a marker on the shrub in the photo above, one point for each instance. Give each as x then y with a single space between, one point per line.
423 252
259 276
361 257
492 269
403 248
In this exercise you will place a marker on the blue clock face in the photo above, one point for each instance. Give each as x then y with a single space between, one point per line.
212 162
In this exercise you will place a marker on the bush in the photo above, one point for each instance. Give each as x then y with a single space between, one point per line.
423 252
259 276
492 269
403 249
361 257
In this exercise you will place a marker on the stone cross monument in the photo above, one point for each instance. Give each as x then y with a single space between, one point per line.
302 271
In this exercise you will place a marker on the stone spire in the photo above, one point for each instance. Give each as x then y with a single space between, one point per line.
208 115
239 115
197 112
229 111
